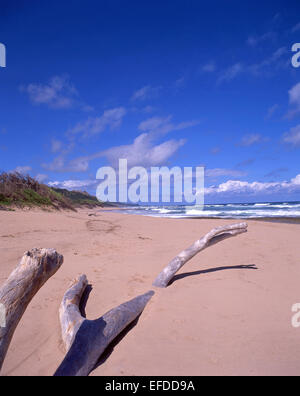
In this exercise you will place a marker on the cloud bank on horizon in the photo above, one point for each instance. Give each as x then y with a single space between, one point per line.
155 90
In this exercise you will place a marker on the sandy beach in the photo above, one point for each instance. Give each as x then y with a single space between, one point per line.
228 311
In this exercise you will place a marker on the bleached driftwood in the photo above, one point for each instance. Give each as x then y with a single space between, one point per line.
85 340
216 235
34 269
2 316
69 314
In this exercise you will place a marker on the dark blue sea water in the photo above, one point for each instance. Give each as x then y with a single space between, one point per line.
225 211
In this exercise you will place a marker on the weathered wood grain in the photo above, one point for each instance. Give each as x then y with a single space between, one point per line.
85 340
34 269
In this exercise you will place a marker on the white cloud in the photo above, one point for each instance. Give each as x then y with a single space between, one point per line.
180 82
146 92
254 188
111 118
143 152
253 41
294 99
41 177
267 65
229 188
296 180
230 73
163 125
273 61
23 170
293 136
294 94
59 93
221 172
148 109
215 150
271 111
154 123
56 145
87 108
295 28
245 163
59 164
249 140
276 172
73 184
209 67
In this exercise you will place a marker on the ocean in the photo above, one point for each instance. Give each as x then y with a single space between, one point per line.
224 211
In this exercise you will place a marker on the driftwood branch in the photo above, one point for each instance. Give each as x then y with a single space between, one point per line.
69 313
2 316
34 269
85 340
214 236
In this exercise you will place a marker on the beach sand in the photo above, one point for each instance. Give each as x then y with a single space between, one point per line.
216 318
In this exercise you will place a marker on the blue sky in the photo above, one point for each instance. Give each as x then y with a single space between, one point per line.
183 83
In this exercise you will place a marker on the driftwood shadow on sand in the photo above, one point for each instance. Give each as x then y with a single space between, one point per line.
206 271
213 237
110 348
84 300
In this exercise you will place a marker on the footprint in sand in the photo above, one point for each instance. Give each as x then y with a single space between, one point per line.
101 226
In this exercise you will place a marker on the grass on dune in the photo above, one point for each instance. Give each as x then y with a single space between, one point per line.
24 191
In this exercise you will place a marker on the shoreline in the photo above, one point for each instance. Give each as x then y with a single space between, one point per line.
93 212
288 220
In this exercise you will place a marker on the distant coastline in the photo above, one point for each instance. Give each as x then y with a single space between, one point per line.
278 211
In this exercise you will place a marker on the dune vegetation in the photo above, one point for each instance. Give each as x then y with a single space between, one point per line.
17 190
